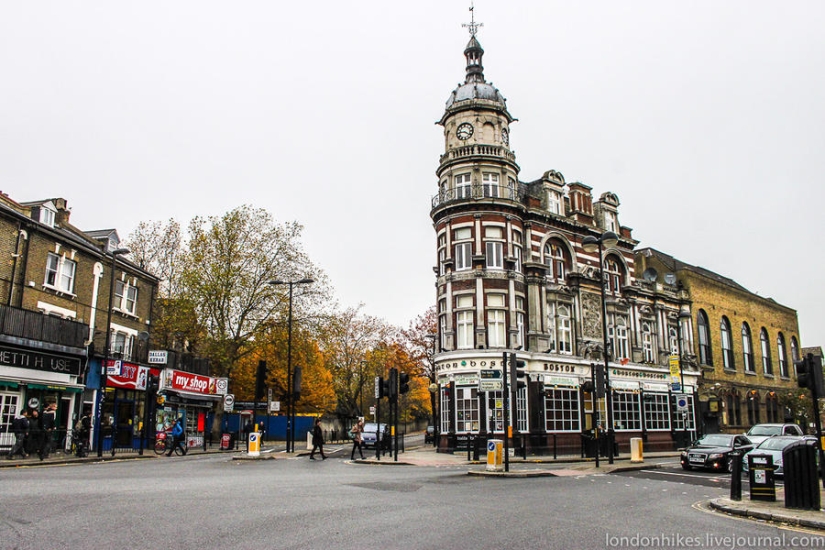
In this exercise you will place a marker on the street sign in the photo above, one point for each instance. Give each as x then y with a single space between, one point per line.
274 406
682 402
676 386
490 385
487 374
228 402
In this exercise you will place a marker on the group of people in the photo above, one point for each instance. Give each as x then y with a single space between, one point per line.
34 432
318 440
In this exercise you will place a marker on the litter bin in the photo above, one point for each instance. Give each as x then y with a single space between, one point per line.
760 476
226 442
495 455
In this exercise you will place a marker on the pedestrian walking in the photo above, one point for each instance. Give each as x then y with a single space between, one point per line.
357 441
33 442
20 427
47 425
317 440
178 438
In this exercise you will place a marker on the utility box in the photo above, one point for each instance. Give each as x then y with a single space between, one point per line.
760 475
255 444
636 450
495 456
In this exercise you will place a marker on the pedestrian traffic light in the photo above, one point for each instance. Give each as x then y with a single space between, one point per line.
296 382
380 387
152 383
403 383
809 374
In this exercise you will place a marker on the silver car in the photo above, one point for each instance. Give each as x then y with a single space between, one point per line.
774 446
760 432
369 434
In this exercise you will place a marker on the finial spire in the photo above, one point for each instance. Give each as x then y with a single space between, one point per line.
472 25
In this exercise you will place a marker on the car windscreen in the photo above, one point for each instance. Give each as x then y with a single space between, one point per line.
765 430
370 427
775 444
716 440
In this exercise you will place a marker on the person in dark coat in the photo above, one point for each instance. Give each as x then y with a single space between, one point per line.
317 440
20 426
47 424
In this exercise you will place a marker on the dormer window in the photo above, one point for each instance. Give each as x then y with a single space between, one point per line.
47 216
610 222
553 202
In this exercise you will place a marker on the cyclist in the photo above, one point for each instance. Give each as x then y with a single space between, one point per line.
178 438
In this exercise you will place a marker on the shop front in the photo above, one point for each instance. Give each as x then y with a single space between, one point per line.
190 397
125 406
31 379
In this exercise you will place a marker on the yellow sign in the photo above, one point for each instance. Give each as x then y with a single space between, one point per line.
675 372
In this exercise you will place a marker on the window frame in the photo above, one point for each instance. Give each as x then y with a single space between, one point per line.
726 339
747 349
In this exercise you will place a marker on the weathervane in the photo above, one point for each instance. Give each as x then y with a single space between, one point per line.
472 25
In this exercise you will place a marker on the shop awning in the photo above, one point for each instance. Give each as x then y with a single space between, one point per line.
8 384
55 387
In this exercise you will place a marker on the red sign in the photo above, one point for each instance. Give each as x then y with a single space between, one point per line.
192 383
131 377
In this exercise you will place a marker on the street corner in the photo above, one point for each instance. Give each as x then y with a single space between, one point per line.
769 511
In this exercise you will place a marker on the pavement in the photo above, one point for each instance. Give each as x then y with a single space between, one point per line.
518 468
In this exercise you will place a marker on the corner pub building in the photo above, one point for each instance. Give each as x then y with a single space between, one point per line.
513 276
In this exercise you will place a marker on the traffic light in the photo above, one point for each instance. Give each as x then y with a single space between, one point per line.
809 374
517 372
260 381
152 383
802 375
599 370
380 387
392 392
296 382
403 383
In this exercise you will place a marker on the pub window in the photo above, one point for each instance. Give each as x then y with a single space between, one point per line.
561 407
626 411
466 410
657 411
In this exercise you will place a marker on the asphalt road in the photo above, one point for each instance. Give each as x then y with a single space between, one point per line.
211 501
673 472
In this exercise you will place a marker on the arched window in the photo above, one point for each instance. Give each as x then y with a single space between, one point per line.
617 333
747 348
734 411
564 330
705 355
782 356
673 339
647 341
613 276
772 407
794 349
727 344
753 407
555 257
767 364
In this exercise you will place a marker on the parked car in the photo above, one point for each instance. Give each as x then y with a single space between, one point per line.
760 432
774 446
712 451
429 435
369 435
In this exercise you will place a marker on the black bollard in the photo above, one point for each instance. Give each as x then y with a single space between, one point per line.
736 475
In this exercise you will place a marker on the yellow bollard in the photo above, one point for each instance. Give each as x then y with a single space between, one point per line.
636 454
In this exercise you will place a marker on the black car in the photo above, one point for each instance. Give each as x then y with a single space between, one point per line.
713 451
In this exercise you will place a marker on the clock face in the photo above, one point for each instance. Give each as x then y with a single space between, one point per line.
505 136
464 131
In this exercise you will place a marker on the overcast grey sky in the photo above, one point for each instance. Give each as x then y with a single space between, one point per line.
706 118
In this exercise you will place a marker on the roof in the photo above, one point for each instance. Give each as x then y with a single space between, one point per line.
675 264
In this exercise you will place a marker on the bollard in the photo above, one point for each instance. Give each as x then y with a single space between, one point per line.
736 475
636 450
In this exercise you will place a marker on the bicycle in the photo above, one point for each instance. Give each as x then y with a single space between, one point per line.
80 446
163 444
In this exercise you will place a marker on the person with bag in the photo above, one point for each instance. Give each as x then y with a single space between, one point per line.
177 437
357 442
83 429
317 440
47 424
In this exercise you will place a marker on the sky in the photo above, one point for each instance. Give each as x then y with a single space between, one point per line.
705 118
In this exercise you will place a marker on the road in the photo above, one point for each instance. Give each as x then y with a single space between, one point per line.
673 472
210 501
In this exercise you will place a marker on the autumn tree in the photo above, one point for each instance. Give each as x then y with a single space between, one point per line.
419 340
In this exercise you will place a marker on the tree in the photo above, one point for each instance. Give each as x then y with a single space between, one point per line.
420 342
159 248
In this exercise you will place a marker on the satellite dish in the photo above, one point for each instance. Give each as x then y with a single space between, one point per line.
650 275
670 278
143 336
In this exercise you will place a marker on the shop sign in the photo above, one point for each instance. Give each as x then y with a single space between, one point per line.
12 357
466 379
675 371
622 385
131 377
113 367
177 380
648 386
158 357
561 381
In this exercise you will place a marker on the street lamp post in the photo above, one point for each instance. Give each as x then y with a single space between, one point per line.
608 239
434 393
682 315
107 352
290 407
